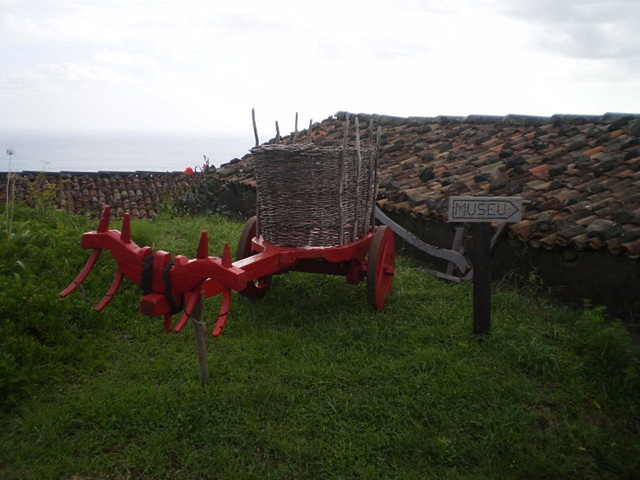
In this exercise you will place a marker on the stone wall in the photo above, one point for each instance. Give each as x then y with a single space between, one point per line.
563 274
566 274
141 194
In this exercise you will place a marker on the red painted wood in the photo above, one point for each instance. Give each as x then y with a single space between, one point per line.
258 260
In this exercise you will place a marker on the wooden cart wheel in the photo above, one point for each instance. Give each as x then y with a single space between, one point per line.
381 267
259 287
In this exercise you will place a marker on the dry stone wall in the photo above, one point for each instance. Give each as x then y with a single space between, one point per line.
139 193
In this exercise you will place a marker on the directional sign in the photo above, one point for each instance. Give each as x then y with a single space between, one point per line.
485 209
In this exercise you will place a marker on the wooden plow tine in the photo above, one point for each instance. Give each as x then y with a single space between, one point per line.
224 312
113 289
226 259
103 226
168 318
188 310
226 295
93 259
203 245
203 252
125 234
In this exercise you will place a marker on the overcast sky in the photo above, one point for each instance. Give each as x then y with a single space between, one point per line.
201 65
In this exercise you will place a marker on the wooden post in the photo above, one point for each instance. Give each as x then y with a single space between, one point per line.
481 277
375 177
255 128
201 340
295 135
480 212
356 220
341 179
370 165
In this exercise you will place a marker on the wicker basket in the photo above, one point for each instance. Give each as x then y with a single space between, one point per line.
299 200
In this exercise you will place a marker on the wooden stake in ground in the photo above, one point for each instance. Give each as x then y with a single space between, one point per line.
481 258
10 193
201 340
480 212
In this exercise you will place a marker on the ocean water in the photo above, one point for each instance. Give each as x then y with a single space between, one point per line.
91 151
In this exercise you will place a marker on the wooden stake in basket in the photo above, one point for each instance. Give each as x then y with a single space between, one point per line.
356 220
370 177
295 134
374 159
341 177
255 128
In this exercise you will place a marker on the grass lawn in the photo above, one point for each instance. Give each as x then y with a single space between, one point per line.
307 383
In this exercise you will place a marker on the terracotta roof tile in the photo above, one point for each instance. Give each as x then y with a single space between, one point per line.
616 133
540 171
632 249
574 170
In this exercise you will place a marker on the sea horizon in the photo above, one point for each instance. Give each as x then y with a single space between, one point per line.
116 151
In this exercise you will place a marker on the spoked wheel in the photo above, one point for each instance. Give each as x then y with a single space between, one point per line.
381 267
259 287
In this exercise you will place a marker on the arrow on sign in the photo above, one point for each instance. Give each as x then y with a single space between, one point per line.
485 209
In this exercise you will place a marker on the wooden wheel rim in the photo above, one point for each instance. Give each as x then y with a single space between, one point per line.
381 268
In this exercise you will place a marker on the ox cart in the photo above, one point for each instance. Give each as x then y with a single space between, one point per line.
315 214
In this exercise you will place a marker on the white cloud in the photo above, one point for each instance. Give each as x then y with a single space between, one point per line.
68 75
204 64
74 73
15 26
590 29
124 58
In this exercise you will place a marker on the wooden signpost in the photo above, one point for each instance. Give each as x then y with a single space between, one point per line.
480 212
485 209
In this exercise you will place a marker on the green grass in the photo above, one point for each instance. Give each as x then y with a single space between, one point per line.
308 382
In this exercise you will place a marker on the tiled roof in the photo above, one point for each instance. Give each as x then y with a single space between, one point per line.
580 174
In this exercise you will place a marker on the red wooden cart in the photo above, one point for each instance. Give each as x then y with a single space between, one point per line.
353 247
171 285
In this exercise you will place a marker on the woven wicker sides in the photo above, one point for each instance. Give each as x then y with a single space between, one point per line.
299 198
